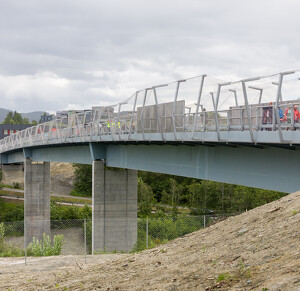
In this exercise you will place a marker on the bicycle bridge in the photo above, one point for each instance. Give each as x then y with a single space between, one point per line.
242 132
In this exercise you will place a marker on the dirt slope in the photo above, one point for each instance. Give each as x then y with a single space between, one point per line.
62 175
258 250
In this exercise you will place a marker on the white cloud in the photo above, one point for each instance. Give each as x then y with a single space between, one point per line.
65 54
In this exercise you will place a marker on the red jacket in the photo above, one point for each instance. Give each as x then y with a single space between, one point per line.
288 115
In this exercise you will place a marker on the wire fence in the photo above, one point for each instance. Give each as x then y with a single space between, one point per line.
74 237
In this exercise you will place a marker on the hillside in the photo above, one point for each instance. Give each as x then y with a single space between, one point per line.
257 250
35 115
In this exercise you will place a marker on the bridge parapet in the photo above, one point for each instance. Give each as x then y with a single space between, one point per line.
201 109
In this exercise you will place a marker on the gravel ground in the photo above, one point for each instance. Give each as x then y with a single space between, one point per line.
257 250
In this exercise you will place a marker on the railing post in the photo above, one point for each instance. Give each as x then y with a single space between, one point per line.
157 110
279 97
133 111
142 114
247 105
198 104
174 106
216 104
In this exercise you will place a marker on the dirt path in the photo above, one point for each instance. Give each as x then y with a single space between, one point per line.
257 250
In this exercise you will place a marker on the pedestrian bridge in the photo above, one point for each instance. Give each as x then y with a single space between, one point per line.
202 127
241 132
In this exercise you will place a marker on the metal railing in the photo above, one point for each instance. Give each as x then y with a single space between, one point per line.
177 111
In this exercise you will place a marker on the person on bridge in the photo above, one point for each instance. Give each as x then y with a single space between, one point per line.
267 116
288 114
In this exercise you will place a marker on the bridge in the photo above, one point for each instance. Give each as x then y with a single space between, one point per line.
242 132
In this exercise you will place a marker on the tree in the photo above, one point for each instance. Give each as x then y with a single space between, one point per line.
145 198
15 118
82 180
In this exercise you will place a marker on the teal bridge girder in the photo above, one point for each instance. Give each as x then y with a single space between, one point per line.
272 167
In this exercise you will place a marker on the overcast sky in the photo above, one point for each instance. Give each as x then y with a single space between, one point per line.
57 55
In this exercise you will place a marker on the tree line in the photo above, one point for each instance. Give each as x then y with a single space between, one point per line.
200 196
16 118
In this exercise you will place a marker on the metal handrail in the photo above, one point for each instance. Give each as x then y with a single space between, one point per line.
144 121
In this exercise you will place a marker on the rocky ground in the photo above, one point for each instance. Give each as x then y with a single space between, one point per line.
257 250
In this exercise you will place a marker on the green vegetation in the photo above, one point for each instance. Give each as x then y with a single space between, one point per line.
16 118
36 248
223 277
15 212
82 185
45 247
200 196
161 230
7 250
58 212
11 212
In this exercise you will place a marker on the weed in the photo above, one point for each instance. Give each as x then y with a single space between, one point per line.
16 185
243 273
294 212
223 277
45 247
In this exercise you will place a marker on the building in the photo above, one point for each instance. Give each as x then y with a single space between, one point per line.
8 129
46 118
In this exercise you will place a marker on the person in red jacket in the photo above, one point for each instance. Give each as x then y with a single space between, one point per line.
288 114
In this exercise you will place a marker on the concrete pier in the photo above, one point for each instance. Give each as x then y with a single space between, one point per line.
114 220
36 200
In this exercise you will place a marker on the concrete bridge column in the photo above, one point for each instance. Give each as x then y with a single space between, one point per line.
36 200
114 224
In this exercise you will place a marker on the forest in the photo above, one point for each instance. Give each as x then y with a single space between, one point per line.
157 190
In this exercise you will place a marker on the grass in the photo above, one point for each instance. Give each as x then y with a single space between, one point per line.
53 198
15 186
223 277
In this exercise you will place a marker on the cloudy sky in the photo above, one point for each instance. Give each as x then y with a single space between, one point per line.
68 54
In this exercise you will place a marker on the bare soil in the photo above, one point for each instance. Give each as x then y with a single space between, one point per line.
62 175
257 250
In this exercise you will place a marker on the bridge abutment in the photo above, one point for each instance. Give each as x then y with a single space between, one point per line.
114 222
36 200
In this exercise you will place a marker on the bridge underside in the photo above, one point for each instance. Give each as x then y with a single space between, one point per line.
263 166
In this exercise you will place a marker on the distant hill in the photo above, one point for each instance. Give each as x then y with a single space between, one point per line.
35 115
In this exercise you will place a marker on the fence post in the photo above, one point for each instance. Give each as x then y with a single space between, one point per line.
85 240
204 220
147 233
25 246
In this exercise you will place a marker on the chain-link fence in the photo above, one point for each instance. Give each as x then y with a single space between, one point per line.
74 237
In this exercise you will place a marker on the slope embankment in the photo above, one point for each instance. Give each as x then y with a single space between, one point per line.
257 250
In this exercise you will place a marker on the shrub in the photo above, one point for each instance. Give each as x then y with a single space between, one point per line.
7 250
16 185
45 247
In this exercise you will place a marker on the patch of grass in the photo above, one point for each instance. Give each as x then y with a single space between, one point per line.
294 212
70 200
243 272
223 277
11 193
11 186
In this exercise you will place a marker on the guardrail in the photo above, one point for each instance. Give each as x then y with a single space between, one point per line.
200 104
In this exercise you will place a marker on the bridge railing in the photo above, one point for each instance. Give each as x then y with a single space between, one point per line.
195 105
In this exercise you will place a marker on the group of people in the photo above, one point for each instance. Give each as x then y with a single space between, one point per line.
291 113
